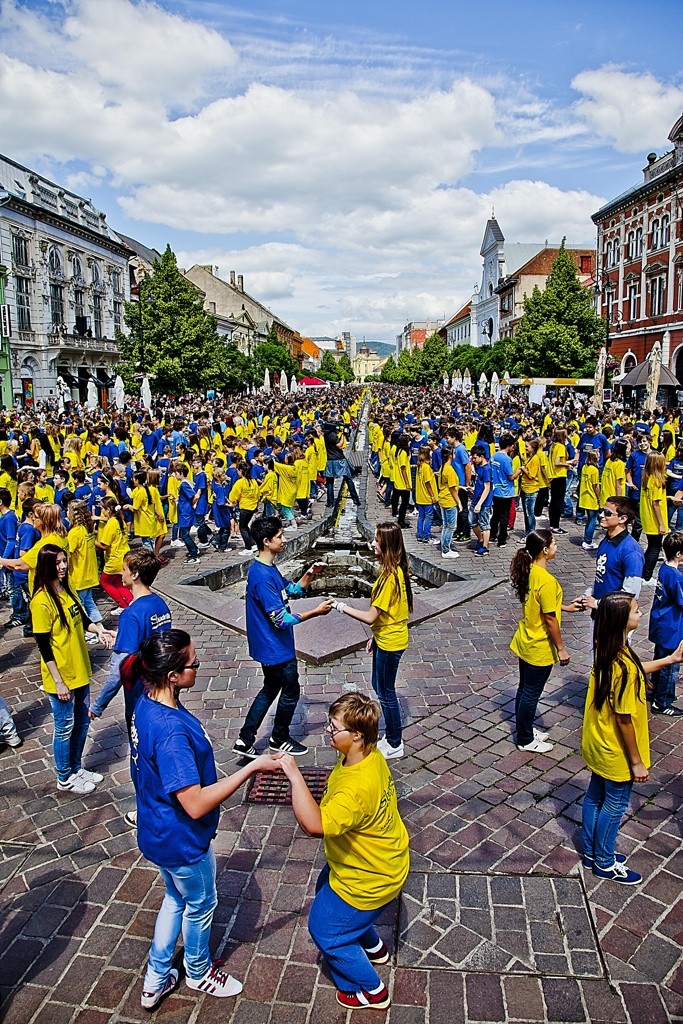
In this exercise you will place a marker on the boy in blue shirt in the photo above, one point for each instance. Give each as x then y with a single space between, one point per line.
270 634
188 498
666 625
482 500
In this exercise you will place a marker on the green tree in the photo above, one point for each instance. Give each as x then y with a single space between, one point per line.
560 332
274 356
171 336
345 369
405 368
329 368
433 362
388 374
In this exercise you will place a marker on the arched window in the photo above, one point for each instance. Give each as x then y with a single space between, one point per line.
95 273
655 234
54 261
631 245
77 266
616 252
608 254
666 222
639 242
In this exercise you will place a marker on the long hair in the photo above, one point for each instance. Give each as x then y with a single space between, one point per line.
392 556
140 479
111 506
520 567
655 467
112 483
610 649
160 654
50 519
9 466
46 579
79 515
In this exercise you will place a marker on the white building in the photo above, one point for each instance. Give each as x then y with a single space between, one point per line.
66 284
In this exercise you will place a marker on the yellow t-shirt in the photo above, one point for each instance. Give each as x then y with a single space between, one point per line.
602 747
390 628
557 451
321 452
116 542
590 483
303 484
172 486
424 476
653 493
144 519
532 483
11 484
268 487
531 641
83 572
160 526
286 492
68 642
45 493
31 556
365 840
246 494
401 462
447 478
614 471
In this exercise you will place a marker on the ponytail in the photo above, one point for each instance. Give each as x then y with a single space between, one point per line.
520 567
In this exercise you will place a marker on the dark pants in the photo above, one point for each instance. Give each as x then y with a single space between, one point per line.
654 546
400 511
278 680
558 489
463 528
245 518
532 679
541 501
203 531
636 526
499 520
664 681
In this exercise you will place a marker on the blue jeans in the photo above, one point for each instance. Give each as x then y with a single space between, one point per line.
89 606
604 805
18 596
384 670
8 729
450 518
591 523
532 679
71 725
186 538
424 521
664 681
342 934
189 904
529 501
388 494
148 542
282 680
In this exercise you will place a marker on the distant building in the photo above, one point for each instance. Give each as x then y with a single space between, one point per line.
415 333
367 362
66 279
458 330
312 355
534 273
639 282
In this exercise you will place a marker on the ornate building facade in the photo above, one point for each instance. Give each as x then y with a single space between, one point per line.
65 287
639 280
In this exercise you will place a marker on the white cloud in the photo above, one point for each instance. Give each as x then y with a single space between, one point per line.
634 111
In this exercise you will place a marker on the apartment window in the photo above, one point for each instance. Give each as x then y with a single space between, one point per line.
77 267
118 311
608 254
654 238
79 302
56 304
616 253
639 242
54 262
633 302
97 315
611 303
23 293
585 264
666 229
658 295
679 291
116 281
631 246
95 274
20 257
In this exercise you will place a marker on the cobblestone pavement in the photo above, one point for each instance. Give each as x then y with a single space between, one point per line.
499 921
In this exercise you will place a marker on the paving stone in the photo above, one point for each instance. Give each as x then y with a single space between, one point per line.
484 996
563 999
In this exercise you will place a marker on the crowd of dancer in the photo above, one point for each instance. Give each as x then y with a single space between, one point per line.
74 490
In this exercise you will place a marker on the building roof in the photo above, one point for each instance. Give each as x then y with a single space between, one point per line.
143 251
463 312
541 264
309 348
204 269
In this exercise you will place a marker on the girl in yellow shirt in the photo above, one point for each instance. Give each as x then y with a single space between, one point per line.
83 571
589 497
653 510
245 493
112 538
425 495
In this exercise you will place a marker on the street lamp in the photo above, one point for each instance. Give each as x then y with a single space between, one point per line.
604 283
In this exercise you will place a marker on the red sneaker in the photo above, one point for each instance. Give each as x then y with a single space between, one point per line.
365 1000
378 955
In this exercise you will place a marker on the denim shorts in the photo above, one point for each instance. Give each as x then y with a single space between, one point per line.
481 519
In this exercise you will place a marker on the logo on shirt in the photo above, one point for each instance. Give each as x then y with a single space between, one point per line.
600 566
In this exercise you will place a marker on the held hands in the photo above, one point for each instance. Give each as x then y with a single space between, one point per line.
577 605
267 763
107 638
325 607
288 765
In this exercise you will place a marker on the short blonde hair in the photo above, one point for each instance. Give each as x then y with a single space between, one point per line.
359 714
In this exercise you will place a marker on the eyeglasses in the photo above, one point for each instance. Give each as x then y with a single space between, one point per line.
332 730
194 665
606 512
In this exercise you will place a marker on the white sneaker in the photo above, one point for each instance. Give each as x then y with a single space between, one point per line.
450 554
93 777
436 541
150 1000
216 983
75 784
542 736
177 543
650 583
92 639
292 526
116 612
589 547
388 751
536 746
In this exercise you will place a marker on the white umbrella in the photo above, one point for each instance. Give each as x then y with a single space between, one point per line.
456 382
266 380
293 386
445 380
146 394
494 384
283 382
505 379
482 383
92 395
466 382
119 392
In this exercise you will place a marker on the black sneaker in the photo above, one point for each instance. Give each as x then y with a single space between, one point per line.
288 747
671 711
244 749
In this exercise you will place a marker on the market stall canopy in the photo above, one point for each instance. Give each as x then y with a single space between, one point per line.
637 377
313 382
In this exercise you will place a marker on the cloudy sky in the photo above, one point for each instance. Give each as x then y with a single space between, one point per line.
343 157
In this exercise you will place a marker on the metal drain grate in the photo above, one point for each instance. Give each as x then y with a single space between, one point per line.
274 787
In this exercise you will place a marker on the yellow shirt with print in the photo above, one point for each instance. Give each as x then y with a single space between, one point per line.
447 478
602 746
286 491
531 641
68 641
613 473
424 476
245 493
531 480
365 840
650 495
390 628
83 573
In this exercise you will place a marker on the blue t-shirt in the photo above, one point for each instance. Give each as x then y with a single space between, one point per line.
186 493
27 536
675 466
201 485
593 443
8 534
461 458
635 466
266 593
483 477
169 751
617 558
221 510
144 616
666 614
501 471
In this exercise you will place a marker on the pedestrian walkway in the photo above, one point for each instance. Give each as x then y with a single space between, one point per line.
499 921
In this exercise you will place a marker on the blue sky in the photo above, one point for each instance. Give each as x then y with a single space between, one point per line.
343 157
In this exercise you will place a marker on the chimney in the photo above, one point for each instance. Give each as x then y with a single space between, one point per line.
232 278
240 283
